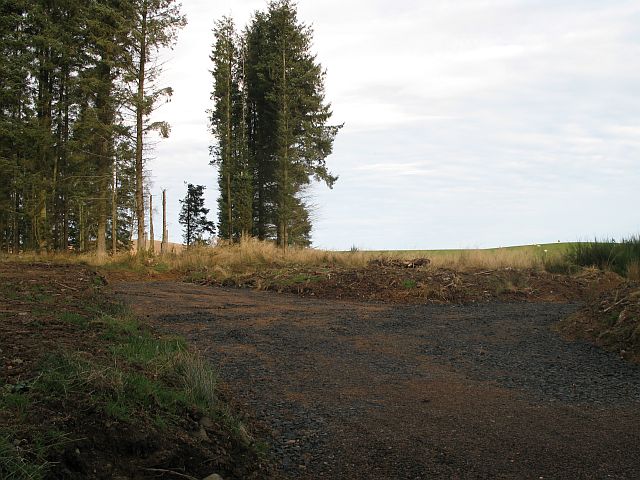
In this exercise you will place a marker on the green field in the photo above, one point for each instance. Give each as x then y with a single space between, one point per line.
534 249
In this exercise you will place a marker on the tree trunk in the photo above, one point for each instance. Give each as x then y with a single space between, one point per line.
16 225
104 160
81 230
228 152
114 212
189 233
101 238
64 204
45 94
139 132
55 240
165 240
41 222
103 188
284 188
152 240
65 222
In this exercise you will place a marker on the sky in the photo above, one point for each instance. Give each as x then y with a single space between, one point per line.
467 123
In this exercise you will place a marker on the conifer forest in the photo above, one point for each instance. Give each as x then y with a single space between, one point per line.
79 84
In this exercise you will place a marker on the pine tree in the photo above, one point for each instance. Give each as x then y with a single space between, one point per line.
193 216
260 120
288 133
303 140
15 111
228 123
108 27
225 96
64 150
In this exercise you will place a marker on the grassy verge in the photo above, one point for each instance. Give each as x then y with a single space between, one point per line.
622 257
85 386
263 265
251 255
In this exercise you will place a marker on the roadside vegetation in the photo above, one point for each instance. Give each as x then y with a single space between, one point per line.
251 252
622 257
249 256
610 320
85 386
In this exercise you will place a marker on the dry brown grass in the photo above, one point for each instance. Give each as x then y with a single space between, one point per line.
633 271
251 255
465 260
60 258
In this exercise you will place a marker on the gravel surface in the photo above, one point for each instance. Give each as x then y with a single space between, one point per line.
356 390
514 345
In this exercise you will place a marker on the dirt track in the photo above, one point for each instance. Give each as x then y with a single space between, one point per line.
356 390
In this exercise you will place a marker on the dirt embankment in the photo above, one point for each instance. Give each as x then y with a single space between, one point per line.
424 284
611 320
86 392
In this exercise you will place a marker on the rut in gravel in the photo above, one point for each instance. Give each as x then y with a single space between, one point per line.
356 390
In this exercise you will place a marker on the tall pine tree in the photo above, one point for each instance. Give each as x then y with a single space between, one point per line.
228 123
285 123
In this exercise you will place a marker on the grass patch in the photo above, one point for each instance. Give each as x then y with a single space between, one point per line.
74 319
15 401
621 257
559 264
139 379
161 267
115 327
409 284
14 465
198 379
9 291
136 395
142 381
20 461
144 376
143 349
300 278
251 257
633 270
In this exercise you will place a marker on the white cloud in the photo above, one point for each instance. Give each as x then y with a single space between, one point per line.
467 123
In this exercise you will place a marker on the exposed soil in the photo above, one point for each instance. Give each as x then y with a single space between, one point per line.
611 320
393 283
37 307
355 390
32 297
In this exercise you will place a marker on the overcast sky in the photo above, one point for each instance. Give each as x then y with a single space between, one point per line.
468 123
